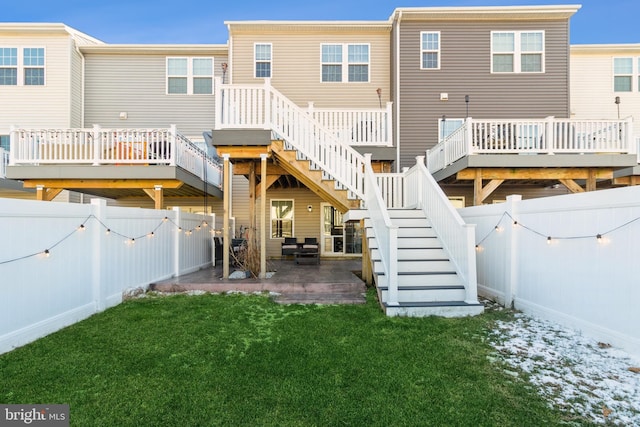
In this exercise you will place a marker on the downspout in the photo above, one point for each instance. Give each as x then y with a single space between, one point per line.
81 85
397 85
230 54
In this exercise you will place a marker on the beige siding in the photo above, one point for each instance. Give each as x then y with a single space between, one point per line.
136 84
296 70
466 70
592 94
45 106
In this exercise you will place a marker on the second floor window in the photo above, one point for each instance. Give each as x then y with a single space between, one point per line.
345 63
22 67
623 74
430 50
262 55
517 51
190 76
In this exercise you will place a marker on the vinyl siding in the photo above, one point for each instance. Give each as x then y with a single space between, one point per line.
592 94
296 66
136 84
45 106
466 70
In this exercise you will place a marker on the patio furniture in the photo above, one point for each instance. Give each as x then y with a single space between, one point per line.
308 251
289 246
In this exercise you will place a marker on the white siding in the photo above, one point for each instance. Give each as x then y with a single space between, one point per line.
592 94
45 106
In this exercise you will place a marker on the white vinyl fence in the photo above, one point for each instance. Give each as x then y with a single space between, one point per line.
571 259
63 262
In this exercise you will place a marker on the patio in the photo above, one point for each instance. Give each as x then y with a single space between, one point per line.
332 281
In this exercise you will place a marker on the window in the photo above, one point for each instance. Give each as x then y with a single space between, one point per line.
33 60
281 218
4 142
338 67
22 67
430 50
190 76
517 52
262 55
447 126
622 74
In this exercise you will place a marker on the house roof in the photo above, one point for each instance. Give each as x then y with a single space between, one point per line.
158 49
485 13
81 38
310 26
606 49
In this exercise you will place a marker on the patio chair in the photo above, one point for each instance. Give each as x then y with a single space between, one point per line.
289 246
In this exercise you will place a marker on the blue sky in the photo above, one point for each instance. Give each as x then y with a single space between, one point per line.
201 21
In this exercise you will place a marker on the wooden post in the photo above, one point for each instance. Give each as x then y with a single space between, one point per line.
226 197
263 217
252 196
159 197
477 188
591 180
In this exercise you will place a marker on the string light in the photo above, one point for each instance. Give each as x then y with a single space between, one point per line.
128 240
549 240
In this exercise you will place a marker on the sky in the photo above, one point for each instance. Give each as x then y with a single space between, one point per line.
202 21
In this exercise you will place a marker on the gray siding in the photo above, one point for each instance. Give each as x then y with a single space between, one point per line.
466 70
136 84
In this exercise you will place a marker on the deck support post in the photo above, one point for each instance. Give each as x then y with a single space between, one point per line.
226 197
263 216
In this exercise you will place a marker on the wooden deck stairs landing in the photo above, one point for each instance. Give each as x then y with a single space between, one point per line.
313 178
428 284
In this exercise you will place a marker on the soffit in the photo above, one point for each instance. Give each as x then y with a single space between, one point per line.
262 27
606 49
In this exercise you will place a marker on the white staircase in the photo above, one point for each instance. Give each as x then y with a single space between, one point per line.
428 283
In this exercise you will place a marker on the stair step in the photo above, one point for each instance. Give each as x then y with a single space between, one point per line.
431 279
406 213
419 266
425 294
441 308
414 254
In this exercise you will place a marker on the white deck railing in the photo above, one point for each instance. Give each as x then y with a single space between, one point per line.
263 107
385 232
416 188
368 127
4 161
544 136
101 146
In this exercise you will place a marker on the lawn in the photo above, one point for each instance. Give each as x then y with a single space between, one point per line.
244 360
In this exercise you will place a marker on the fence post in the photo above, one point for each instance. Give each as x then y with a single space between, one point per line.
469 135
511 251
388 134
177 243
99 207
268 119
630 145
471 285
13 144
97 146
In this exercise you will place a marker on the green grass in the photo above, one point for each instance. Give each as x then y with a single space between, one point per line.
243 360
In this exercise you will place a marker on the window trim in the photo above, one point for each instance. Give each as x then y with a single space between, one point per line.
345 62
293 217
423 51
635 73
190 76
256 61
518 52
20 67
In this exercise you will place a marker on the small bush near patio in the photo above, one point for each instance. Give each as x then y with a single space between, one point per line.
244 360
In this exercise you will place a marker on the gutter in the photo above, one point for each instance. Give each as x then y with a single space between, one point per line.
397 89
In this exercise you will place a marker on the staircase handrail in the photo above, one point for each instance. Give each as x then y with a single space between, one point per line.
264 107
385 232
457 237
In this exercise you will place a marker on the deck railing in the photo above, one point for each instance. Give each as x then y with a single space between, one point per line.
544 136
102 146
416 188
264 107
385 232
4 161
